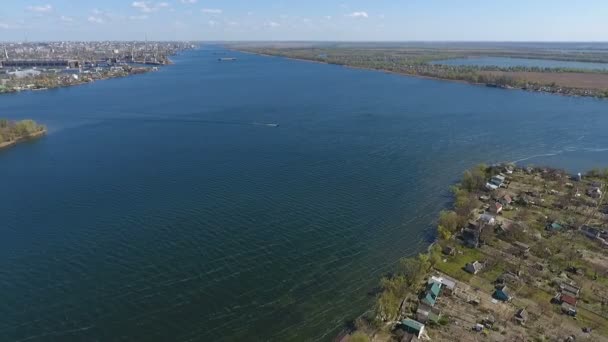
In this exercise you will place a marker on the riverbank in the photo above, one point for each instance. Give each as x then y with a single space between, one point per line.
521 255
568 83
12 133
46 82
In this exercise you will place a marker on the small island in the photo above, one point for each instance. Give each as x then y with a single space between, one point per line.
522 256
13 132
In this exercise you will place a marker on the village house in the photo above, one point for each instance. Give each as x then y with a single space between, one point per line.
431 294
501 293
505 200
554 227
447 285
565 298
473 267
521 316
413 327
449 250
570 289
425 314
594 192
568 309
496 208
487 219
491 186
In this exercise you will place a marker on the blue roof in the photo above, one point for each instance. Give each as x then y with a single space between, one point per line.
501 295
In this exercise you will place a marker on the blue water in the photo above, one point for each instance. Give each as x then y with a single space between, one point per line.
156 210
506 62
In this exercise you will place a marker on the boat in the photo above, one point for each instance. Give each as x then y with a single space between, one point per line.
266 124
227 59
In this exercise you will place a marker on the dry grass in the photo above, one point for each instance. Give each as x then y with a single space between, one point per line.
594 81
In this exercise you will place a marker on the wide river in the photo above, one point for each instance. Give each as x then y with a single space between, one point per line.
160 208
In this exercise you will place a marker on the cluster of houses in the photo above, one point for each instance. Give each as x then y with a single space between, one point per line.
427 311
498 181
568 297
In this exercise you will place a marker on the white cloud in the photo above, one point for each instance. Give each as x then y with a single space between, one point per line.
188 2
138 17
95 20
360 14
40 8
328 17
148 7
66 19
272 24
212 11
4 26
212 23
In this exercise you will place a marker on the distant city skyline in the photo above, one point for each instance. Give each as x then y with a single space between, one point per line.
313 20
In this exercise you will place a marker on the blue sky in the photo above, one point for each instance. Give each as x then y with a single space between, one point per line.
395 20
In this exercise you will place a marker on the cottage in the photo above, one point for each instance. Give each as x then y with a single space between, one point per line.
491 186
413 327
447 285
496 208
498 180
568 309
487 219
570 288
521 316
449 250
424 314
554 227
471 237
484 198
501 293
431 294
505 200
591 232
594 192
473 267
565 298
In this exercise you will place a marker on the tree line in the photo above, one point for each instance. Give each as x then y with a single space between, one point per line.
15 130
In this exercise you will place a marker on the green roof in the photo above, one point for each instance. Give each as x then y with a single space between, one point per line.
434 288
413 325
556 226
429 299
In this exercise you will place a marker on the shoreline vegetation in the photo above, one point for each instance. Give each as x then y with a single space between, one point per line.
418 62
46 82
14 132
521 256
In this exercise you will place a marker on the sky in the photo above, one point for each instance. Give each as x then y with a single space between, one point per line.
318 20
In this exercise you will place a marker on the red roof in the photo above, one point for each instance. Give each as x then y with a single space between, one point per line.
568 299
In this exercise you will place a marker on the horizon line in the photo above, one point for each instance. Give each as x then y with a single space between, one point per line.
309 41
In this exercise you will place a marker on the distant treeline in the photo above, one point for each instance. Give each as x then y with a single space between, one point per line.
11 131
